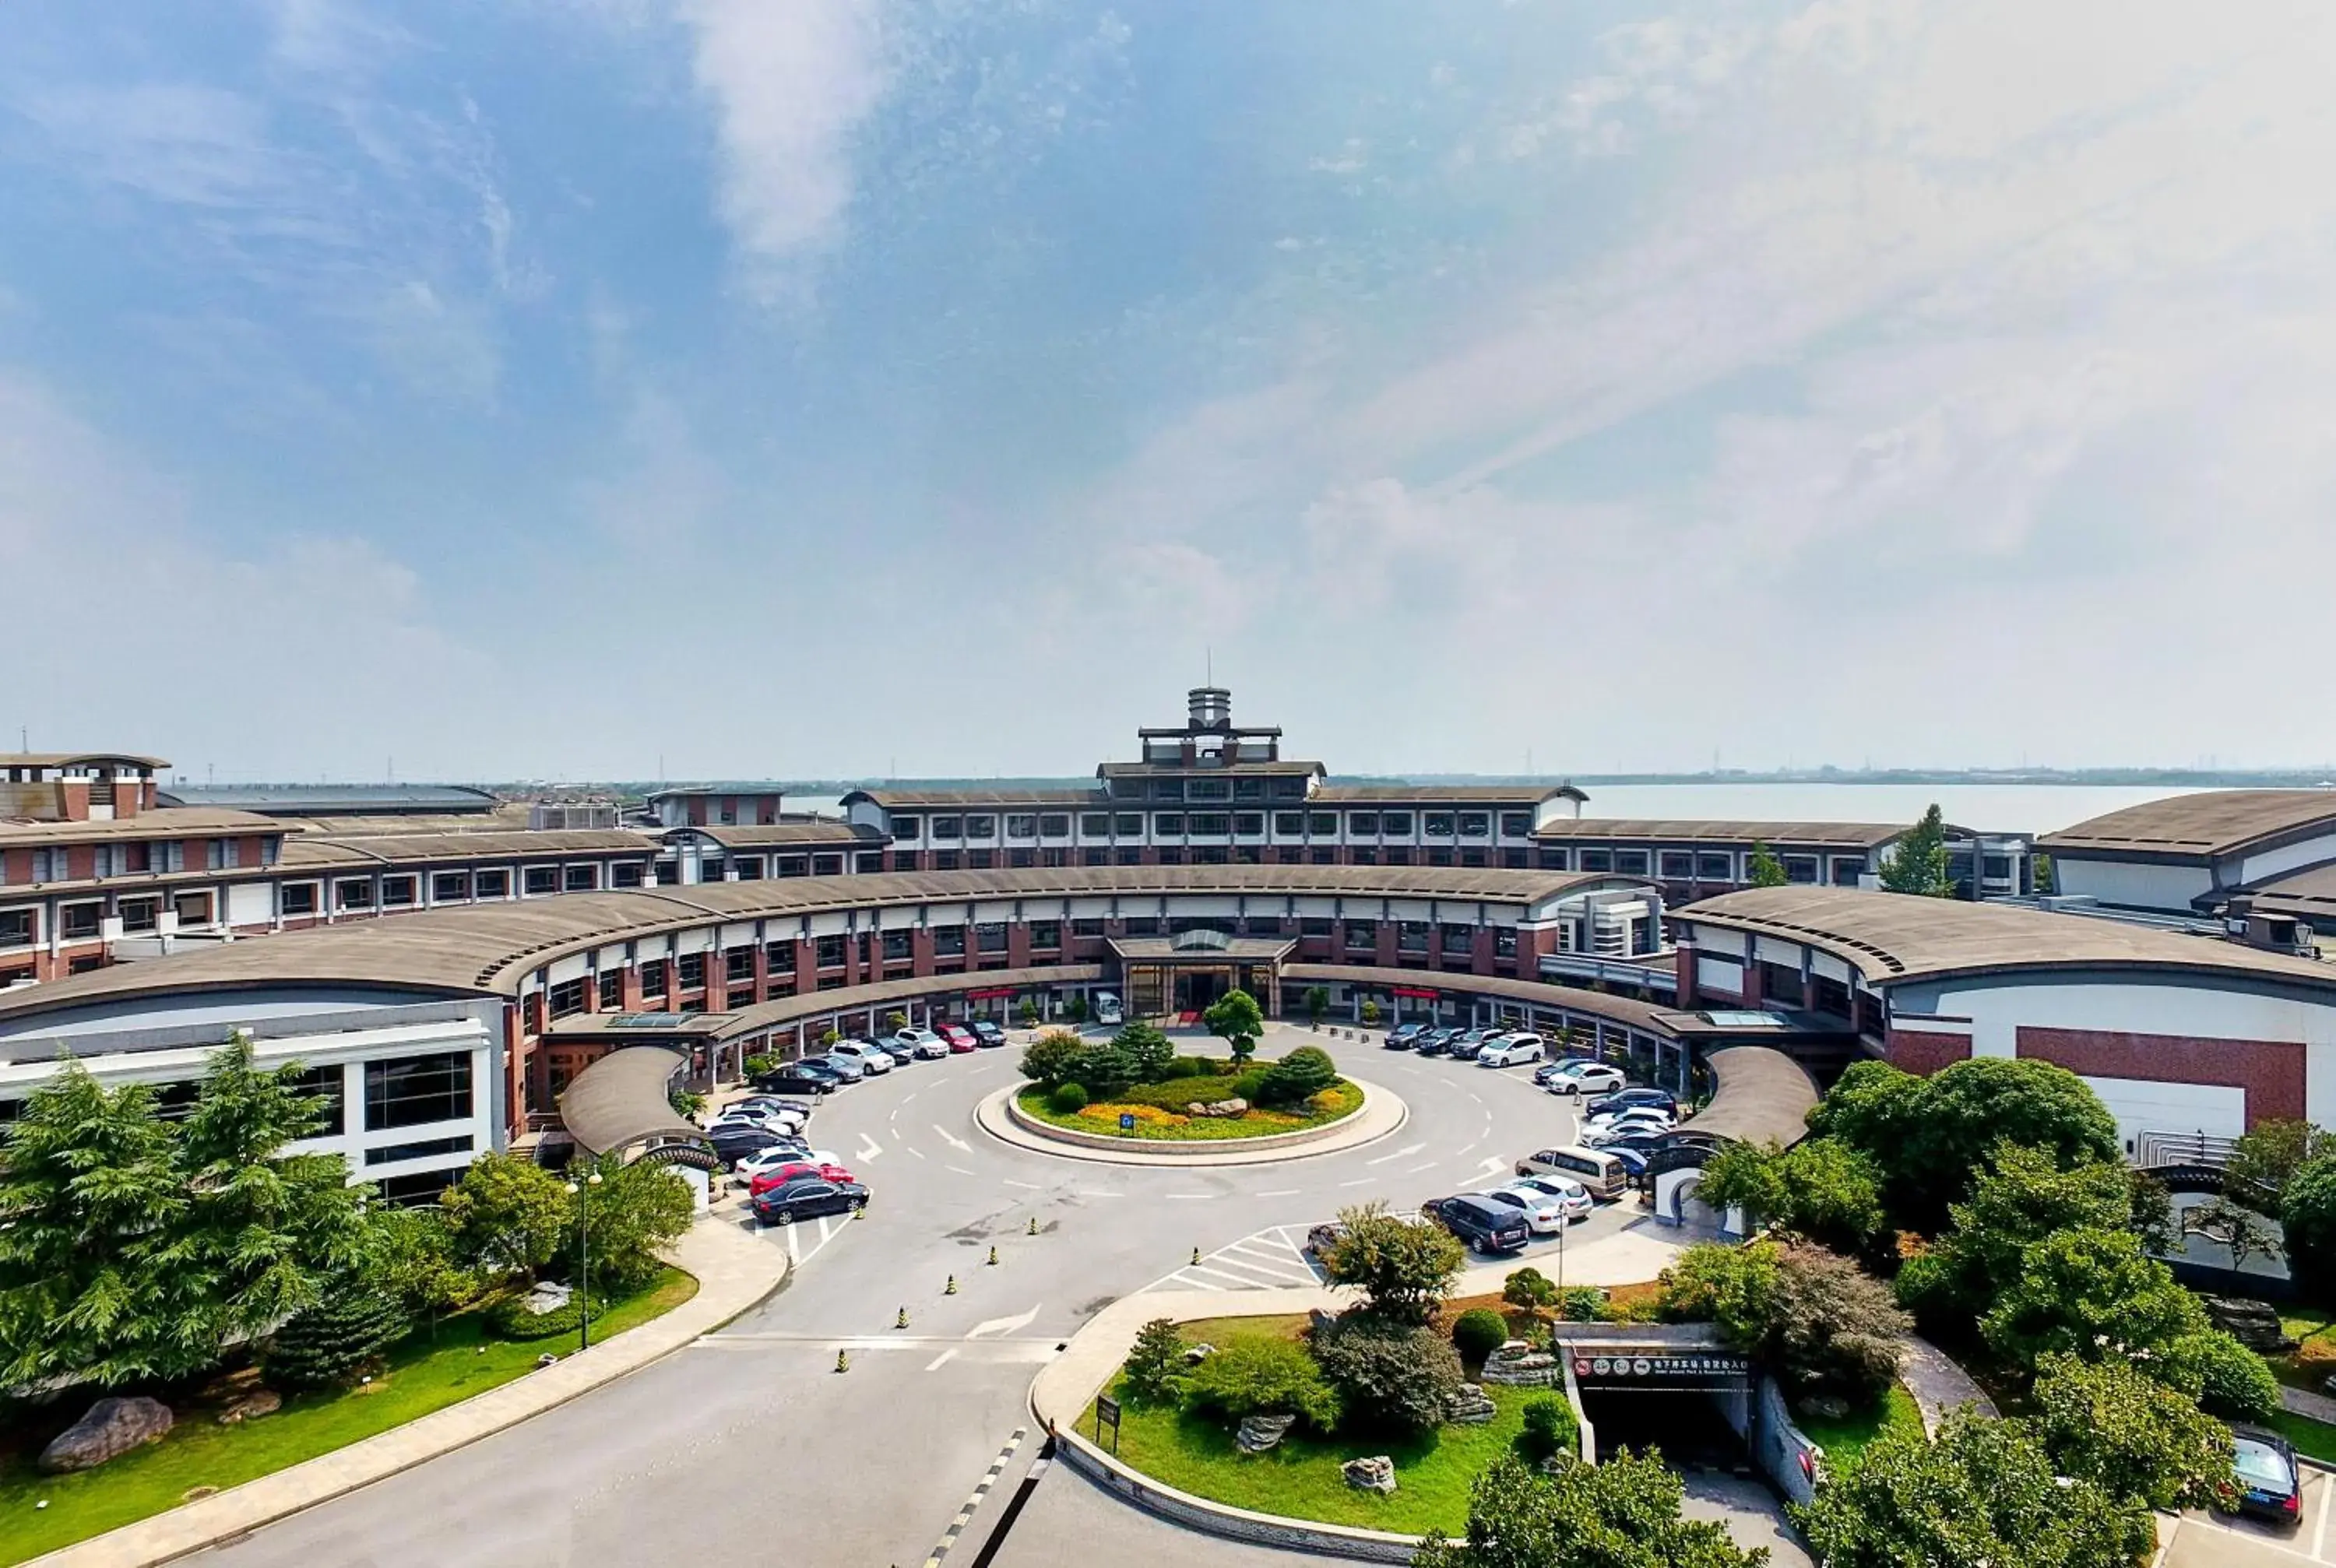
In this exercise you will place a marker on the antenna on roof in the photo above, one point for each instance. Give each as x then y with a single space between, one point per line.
1208 665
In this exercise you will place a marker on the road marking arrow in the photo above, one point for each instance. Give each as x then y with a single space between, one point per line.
1003 1325
952 1139
868 1148
1399 1153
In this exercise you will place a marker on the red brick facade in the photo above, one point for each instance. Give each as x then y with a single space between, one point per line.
1925 1051
2271 1072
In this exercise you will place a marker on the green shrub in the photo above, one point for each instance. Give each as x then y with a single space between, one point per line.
1067 1099
1250 1084
1177 1093
1550 1428
2225 1376
1297 1076
1200 1066
757 1066
326 1345
1155 1372
1253 1375
509 1319
1478 1333
1389 1378
1582 1304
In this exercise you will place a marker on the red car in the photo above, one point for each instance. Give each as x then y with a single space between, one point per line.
960 1039
795 1169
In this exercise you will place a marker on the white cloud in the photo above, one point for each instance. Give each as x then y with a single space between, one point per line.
789 84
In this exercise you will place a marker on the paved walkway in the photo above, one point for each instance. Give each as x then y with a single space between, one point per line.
734 1271
2304 1402
1938 1384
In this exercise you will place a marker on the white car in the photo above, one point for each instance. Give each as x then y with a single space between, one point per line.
753 1165
1510 1051
1639 1116
874 1058
1585 1077
1599 1137
1544 1215
1107 1010
924 1042
766 1116
1568 1194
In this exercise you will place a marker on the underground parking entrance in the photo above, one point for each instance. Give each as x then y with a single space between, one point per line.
1674 1387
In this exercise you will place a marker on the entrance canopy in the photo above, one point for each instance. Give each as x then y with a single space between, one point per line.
618 1105
1188 971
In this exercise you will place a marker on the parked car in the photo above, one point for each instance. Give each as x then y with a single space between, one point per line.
1327 1234
987 1034
844 1064
1543 1214
1510 1051
1633 1116
1432 1042
1633 1161
735 1147
1448 1041
1638 1140
924 1042
1107 1010
1403 1037
793 1150
779 1172
959 1038
1571 1195
784 1104
808 1198
796 1079
1602 1173
2271 1487
872 1058
1560 1067
769 1108
1468 1042
754 1118
1485 1226
1659 1099
902 1052
1585 1077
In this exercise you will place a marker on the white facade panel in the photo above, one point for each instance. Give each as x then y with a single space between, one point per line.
1719 974
2142 1106
1826 967
2311 852
1784 955
1716 939
250 903
2133 885
574 967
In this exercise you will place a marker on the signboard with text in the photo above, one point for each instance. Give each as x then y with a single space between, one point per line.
1646 1368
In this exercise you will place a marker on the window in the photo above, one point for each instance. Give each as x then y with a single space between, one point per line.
1095 857
625 874
1847 871
612 991
392 1153
579 878
1515 860
566 998
1712 865
712 868
1168 789
330 1085
1168 823
192 909
690 971
794 865
1324 822
1396 823
779 959
1143 925
1096 824
1398 854
16 928
1474 824
738 963
1289 824
990 936
217 854
1214 824
1047 934
945 860
1459 939
414 1091
1411 936
1439 857
865 861
1086 928
906 828
1677 865
105 860
1995 868
1128 823
1208 789
981 860
949 943
1285 789
397 892
492 884
982 827
299 897
900 945
49 866
449 887
542 879
1021 860
949 827
1365 857
654 978
1362 822
1362 934
81 919
353 895
1471 857
1248 824
1439 824
827 865
1515 824
1801 869
269 850
1127 856
1631 863
1505 941
1022 826
1550 860
1054 826
828 953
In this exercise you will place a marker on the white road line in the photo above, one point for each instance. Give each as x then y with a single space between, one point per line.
1489 1167
919 1153
869 1148
794 1250
1399 1153
1187 1194
2319 1530
1419 1170
989 1326
1026 1187
1243 1281
1478 1098
1359 1181
1098 1194
952 1139
959 1170
906 1098
1281 1193
1471 1149
943 1359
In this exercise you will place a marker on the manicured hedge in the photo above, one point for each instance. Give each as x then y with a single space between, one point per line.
509 1319
1177 1093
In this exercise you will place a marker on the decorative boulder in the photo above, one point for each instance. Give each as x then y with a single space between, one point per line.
1471 1407
107 1430
1825 1407
1196 1354
1260 1433
2254 1324
1376 1474
549 1296
1220 1108
1517 1365
251 1407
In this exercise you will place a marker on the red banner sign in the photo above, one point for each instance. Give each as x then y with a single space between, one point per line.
989 996
1416 994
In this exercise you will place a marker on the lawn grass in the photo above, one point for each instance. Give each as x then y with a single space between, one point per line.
425 1373
1334 1104
1844 1439
2316 1439
1300 1478
2314 1360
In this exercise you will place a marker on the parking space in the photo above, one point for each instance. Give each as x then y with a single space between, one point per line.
2201 1540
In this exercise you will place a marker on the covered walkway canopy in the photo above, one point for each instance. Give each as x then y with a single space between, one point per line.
1758 1096
618 1105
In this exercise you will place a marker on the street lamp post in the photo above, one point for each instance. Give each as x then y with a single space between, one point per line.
584 1251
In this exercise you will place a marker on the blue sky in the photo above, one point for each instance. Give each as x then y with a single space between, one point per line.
845 385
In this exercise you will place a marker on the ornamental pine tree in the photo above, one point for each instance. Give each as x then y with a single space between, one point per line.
1765 870
327 1345
1919 863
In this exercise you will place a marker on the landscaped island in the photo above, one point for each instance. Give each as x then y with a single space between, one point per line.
1134 1086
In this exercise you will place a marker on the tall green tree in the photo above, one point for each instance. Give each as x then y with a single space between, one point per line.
87 1183
2090 1293
1316 1002
2135 1439
327 1345
507 1216
1918 862
1985 1491
2307 1219
1151 1055
1053 1058
1236 1019
1820 1188
2023 1196
636 1212
1622 1513
1764 870
263 1230
1405 1269
2268 1155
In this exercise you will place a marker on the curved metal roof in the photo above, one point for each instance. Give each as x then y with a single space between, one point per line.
1758 1096
619 1101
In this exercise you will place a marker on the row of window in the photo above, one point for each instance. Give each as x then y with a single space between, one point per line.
1289 787
1434 824
354 894
141 857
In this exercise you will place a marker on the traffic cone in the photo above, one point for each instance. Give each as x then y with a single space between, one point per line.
842 1362
993 1256
949 1289
1034 1226
1196 1257
901 1322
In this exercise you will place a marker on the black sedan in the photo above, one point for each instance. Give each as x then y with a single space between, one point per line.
1625 1099
808 1198
987 1034
2269 1486
797 1078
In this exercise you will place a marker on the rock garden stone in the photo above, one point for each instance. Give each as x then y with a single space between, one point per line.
1258 1434
1471 1407
1517 1365
549 1296
251 1407
1376 1474
107 1430
1223 1108
2253 1323
1825 1407
1196 1354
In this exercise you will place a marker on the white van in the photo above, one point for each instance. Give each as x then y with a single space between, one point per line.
1107 1010
1604 1175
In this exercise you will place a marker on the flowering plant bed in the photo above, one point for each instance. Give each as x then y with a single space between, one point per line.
1156 1125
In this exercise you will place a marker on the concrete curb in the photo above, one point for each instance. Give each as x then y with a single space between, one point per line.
1383 1112
734 1273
